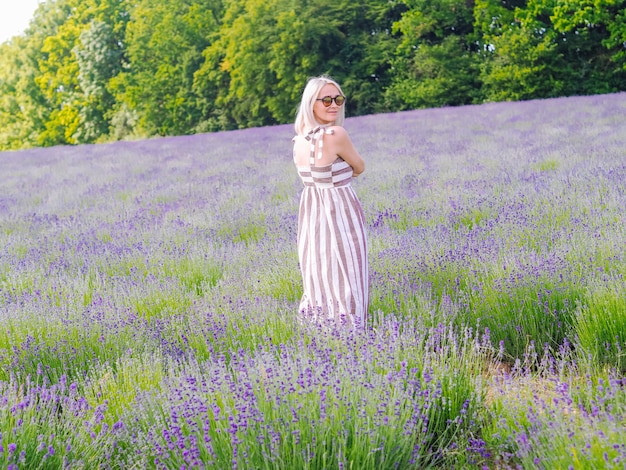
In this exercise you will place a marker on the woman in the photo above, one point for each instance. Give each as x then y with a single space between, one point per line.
332 246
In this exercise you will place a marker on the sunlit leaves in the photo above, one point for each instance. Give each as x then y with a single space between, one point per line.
99 70
436 62
165 41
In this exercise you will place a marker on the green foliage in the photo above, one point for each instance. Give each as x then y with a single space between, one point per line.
243 54
51 427
436 60
197 276
523 318
267 50
165 40
99 59
443 74
103 70
18 94
534 422
601 324
365 59
521 66
542 49
24 109
58 80
592 36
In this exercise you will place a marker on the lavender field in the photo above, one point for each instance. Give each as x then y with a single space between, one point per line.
148 296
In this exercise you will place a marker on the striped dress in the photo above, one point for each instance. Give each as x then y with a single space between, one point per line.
332 245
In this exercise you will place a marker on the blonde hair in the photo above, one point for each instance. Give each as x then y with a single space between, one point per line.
305 119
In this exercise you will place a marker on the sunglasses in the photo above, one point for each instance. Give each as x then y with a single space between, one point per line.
327 100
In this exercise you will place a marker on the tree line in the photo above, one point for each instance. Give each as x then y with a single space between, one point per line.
88 71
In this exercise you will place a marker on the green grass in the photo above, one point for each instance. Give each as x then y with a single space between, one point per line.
601 323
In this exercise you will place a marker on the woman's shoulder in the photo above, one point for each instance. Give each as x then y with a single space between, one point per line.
337 131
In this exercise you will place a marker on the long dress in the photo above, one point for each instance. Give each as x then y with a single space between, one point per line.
332 245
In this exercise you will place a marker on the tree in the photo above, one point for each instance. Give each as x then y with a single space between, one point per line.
96 70
20 102
591 36
165 40
267 49
57 78
24 106
523 64
99 57
436 63
364 65
548 48
86 50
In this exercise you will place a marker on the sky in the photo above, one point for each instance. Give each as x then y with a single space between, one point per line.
15 16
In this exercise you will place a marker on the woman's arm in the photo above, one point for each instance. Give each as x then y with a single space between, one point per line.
342 146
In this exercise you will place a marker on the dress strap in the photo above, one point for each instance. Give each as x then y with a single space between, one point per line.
314 136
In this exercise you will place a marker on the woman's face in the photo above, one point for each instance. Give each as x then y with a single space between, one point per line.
322 114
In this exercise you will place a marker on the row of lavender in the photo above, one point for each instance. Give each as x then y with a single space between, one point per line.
148 296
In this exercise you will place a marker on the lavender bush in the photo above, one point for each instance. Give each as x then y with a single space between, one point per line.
553 422
148 296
